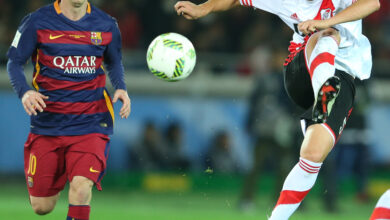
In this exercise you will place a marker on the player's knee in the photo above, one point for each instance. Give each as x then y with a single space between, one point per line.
43 205
331 32
42 208
80 189
313 155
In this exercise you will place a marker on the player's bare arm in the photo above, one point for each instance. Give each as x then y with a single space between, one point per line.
358 10
192 11
124 98
33 101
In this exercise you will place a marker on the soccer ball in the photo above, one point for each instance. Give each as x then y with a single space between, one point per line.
171 57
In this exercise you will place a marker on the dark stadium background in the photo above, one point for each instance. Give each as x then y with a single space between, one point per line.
202 146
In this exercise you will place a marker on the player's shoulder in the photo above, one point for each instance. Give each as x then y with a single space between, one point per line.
30 19
40 13
102 15
44 11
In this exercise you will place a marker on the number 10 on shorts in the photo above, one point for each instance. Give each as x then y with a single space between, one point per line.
32 167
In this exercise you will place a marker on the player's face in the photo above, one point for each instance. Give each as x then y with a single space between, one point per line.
78 3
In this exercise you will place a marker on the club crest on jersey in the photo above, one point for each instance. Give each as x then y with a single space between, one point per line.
326 13
96 38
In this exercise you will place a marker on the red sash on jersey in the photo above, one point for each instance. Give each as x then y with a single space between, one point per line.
325 12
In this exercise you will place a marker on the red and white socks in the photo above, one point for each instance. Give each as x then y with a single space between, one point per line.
382 208
78 212
296 186
321 63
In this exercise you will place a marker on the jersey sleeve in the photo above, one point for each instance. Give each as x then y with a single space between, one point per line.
265 5
113 59
22 47
346 3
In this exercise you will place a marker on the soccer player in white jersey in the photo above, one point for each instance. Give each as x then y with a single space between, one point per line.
327 52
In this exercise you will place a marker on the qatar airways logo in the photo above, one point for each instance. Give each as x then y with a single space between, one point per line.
76 64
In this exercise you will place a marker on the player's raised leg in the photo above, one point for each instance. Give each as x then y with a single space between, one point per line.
382 208
320 53
80 194
45 172
316 146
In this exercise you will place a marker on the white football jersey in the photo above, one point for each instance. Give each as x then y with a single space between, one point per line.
354 54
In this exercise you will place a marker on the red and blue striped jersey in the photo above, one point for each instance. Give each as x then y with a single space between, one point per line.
70 59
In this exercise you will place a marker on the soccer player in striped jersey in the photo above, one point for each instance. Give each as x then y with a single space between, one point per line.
327 52
72 45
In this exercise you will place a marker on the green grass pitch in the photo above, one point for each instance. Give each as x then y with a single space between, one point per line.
138 205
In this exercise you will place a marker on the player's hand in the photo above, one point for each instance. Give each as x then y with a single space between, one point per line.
33 101
190 10
124 97
311 26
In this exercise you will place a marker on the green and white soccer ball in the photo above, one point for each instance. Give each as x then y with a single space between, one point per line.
171 57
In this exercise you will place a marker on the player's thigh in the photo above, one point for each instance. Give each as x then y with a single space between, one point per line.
44 166
317 143
87 158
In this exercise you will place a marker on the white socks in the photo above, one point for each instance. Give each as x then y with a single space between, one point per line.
297 184
382 208
321 63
